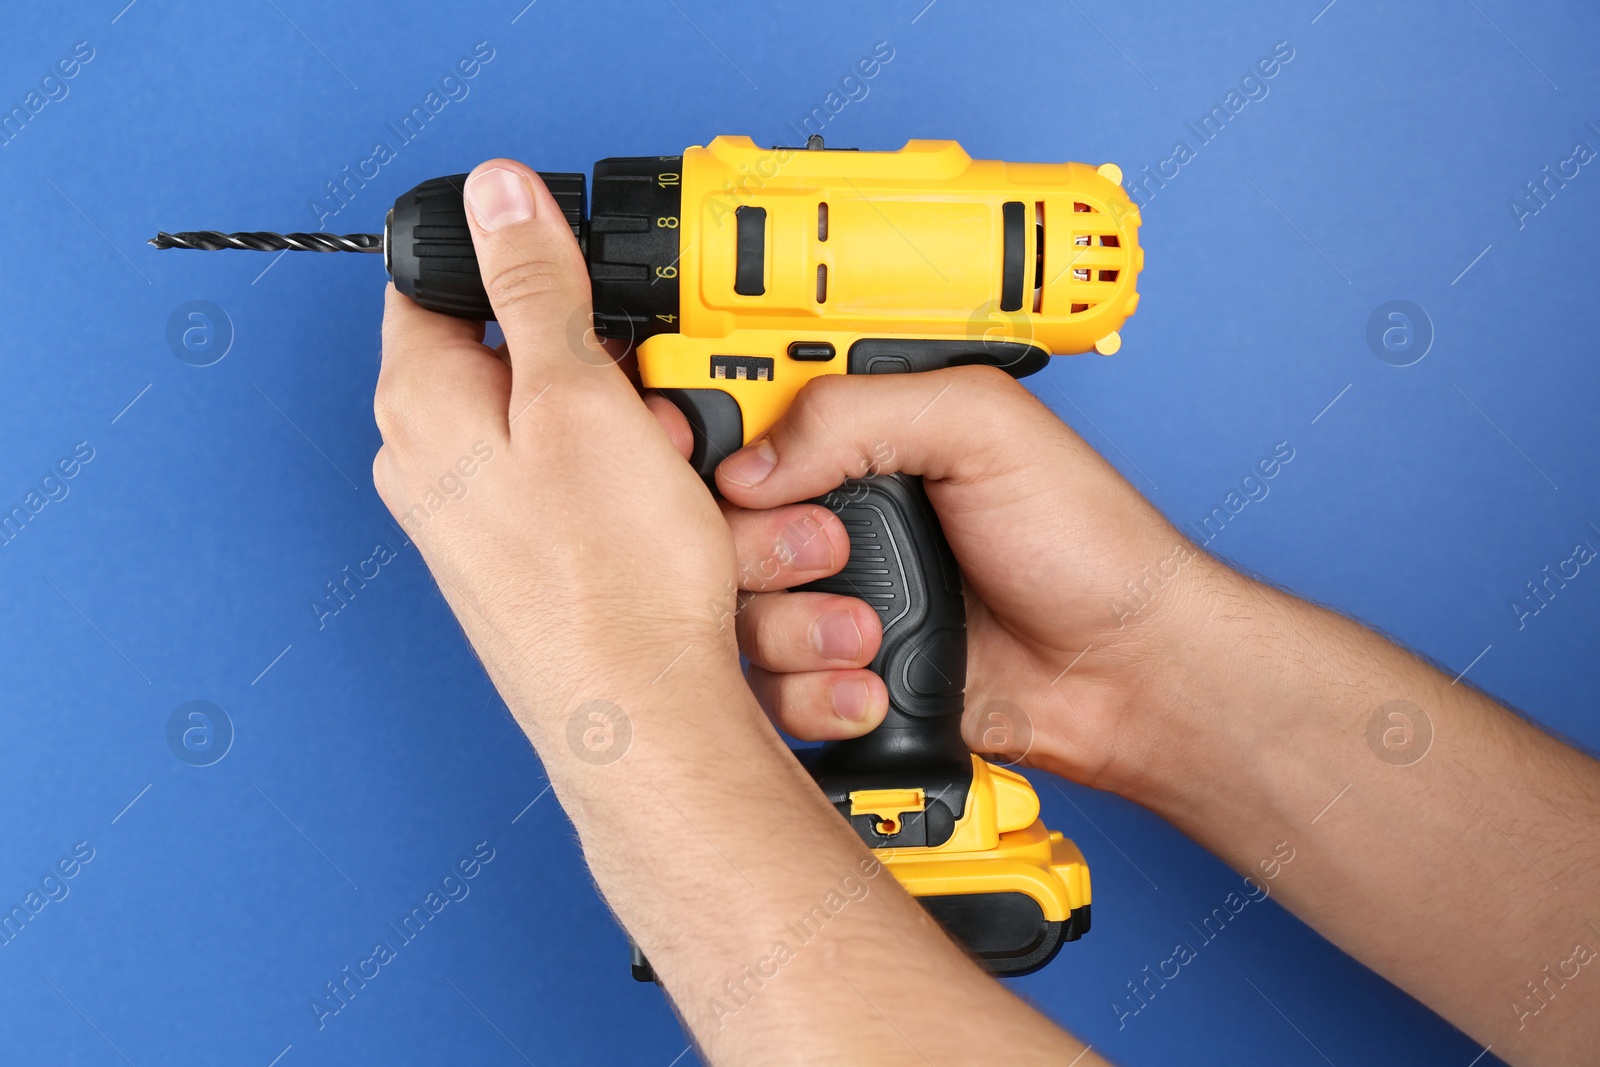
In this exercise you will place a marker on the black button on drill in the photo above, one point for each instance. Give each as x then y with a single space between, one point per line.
811 351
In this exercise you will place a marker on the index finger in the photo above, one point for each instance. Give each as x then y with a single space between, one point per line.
437 377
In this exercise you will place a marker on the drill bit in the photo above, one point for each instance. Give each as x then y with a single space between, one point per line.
215 240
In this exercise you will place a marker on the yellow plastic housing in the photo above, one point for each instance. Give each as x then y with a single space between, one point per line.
906 244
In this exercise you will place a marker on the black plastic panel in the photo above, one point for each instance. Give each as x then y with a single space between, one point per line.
899 355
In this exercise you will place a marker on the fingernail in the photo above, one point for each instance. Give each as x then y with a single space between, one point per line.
804 546
850 700
835 636
499 197
750 465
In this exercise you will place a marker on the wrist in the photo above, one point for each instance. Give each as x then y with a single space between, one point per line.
1233 668
1265 702
1119 670
601 693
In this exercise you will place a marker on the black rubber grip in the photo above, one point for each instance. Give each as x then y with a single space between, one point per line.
902 566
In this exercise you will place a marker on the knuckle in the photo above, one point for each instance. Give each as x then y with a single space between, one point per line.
388 412
770 635
383 478
529 281
825 392
993 384
818 408
992 390
753 627
792 697
567 419
987 372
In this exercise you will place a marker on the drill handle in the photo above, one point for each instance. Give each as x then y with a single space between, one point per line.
902 566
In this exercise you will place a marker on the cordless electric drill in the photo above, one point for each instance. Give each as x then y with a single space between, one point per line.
741 273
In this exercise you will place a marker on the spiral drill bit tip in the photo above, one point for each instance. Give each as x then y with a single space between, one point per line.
214 241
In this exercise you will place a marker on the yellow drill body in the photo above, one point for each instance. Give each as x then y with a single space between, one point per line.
912 245
905 244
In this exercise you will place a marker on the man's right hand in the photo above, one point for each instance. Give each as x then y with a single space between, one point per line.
1441 840
1079 593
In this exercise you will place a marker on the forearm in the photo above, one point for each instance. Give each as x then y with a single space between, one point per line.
1445 842
773 929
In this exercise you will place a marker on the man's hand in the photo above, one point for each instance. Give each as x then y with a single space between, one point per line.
549 503
1465 869
1079 593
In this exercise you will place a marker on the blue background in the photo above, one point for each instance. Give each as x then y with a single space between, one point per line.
372 754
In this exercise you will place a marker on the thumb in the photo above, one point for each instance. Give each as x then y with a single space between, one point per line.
953 425
533 273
